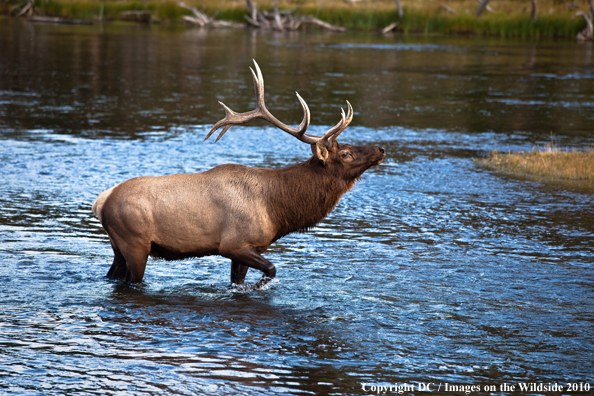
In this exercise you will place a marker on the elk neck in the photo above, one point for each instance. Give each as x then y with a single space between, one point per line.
302 195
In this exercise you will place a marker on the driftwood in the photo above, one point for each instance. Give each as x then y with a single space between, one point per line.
203 20
44 19
283 20
448 9
27 8
390 28
587 33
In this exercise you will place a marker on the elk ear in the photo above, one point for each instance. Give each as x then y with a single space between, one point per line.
320 151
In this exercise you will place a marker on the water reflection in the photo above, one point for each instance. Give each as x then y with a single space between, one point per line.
431 269
79 80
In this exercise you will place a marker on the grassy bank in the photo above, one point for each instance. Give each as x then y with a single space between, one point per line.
511 18
570 168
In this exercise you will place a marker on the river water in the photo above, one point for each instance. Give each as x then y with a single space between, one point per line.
430 270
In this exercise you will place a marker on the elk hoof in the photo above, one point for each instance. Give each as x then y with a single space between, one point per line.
262 282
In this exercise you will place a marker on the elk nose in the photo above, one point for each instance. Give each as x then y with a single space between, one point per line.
381 149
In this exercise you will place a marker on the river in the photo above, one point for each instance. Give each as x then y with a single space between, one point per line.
431 270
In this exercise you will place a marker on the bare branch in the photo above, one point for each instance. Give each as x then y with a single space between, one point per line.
400 11
26 8
588 33
282 20
448 9
315 21
203 20
198 19
277 19
482 7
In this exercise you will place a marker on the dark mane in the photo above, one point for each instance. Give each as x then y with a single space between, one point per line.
302 195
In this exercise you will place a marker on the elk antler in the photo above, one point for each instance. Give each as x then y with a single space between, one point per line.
233 118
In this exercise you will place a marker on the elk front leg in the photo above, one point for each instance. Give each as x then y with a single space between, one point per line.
238 272
250 258
136 263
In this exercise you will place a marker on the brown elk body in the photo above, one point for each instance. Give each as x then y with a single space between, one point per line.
231 210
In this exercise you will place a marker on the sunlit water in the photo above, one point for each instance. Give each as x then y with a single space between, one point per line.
430 270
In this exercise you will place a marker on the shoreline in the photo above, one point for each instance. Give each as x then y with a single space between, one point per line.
373 17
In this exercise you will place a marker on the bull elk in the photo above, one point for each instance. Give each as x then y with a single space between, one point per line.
231 210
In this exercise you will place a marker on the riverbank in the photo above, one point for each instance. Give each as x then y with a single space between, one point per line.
574 169
450 17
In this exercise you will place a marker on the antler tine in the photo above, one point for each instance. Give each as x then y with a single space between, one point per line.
333 132
233 118
306 116
260 105
258 86
349 118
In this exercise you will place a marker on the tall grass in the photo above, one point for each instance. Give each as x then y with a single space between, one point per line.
573 168
435 21
511 19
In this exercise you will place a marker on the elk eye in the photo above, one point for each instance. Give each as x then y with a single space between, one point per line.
346 154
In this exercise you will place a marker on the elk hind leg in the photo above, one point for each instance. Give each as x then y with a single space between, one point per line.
118 267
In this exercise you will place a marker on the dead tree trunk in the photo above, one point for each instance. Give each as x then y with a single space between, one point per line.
401 12
534 10
481 7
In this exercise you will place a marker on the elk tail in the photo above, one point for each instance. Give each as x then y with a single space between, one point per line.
98 204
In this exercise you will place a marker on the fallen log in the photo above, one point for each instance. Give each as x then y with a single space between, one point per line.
44 19
390 28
